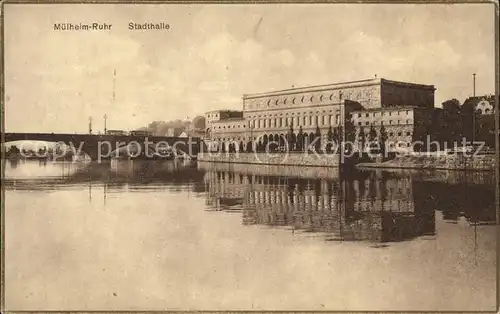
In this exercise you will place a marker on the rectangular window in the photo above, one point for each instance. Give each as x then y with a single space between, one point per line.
337 119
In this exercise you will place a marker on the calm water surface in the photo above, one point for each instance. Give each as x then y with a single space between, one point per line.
171 235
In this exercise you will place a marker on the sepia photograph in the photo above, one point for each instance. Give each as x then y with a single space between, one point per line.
193 156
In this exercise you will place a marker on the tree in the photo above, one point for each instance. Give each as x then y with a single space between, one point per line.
362 137
290 138
330 140
317 138
336 135
372 135
383 138
300 139
350 129
451 105
199 122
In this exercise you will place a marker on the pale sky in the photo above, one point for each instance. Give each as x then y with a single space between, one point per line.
213 54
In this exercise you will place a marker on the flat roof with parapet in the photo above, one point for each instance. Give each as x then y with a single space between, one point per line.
390 108
229 120
367 82
223 110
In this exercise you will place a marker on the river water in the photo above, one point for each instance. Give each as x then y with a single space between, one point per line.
130 235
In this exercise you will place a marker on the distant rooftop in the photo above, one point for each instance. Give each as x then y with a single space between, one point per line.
223 110
229 119
390 108
366 82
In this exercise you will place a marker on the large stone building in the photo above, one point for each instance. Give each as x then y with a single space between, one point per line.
405 110
403 125
225 126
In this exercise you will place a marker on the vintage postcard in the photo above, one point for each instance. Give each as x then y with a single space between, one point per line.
249 157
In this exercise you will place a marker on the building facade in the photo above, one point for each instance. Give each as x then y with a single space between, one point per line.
403 125
401 107
478 119
482 105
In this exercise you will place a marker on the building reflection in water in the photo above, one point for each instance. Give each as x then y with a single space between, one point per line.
367 205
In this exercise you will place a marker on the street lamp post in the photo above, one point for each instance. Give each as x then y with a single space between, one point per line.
474 84
252 144
90 125
342 132
105 118
473 108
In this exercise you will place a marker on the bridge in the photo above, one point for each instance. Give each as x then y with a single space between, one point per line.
99 147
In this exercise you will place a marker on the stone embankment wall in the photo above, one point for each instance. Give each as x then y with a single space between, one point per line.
445 162
273 170
283 159
448 162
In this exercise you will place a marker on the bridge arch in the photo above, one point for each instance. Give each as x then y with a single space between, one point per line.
101 146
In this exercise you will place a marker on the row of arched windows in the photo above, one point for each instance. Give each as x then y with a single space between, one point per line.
319 98
306 120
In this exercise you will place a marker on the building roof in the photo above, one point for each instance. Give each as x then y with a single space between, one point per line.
191 134
473 101
391 108
229 120
222 110
366 82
